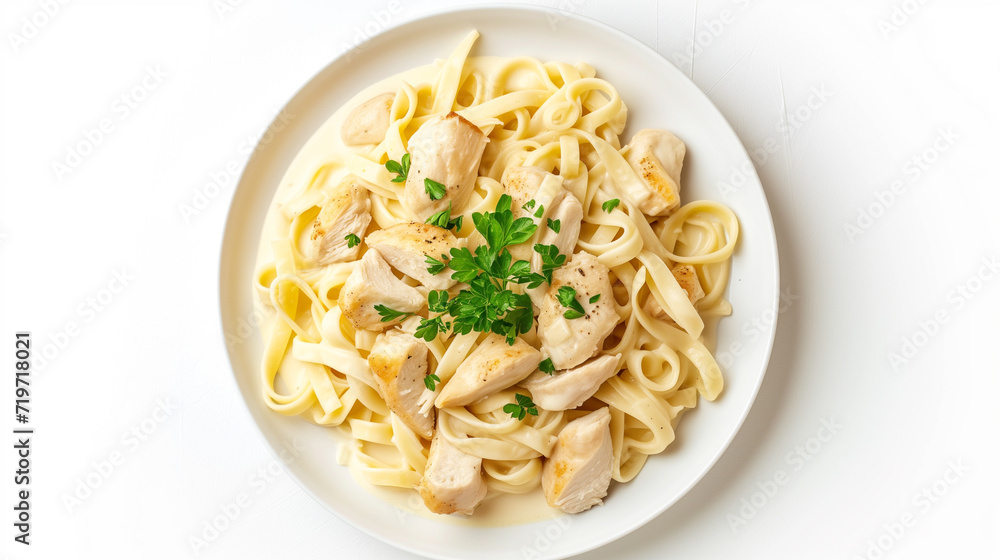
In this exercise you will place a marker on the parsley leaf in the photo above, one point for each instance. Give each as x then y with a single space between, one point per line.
540 211
522 407
567 297
437 301
551 260
488 305
528 205
595 298
400 169
436 266
431 380
554 225
610 205
434 189
352 240
388 314
444 220
547 366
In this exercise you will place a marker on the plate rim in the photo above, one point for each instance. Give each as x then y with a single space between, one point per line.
422 19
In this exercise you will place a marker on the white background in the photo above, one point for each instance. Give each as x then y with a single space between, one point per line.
848 452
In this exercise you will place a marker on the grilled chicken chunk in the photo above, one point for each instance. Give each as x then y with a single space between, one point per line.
492 366
568 389
368 122
569 342
657 157
687 277
453 480
577 474
406 247
567 216
399 362
522 183
446 149
372 283
346 212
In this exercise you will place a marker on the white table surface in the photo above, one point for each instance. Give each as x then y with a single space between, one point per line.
877 116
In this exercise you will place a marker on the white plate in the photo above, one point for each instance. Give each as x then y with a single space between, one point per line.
657 96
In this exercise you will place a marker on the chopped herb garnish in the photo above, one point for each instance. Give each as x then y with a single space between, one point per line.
488 305
567 297
444 220
528 205
434 189
388 314
522 407
352 240
554 225
436 266
540 211
400 169
551 260
431 380
610 205
595 298
547 366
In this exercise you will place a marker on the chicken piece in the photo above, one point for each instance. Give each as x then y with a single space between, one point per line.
569 342
565 390
399 362
372 283
492 366
406 247
453 480
657 157
367 123
522 183
567 215
528 183
687 277
446 149
577 474
346 212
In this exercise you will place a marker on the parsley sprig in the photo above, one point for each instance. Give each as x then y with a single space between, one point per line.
434 189
522 407
352 240
388 314
489 305
610 205
547 366
400 168
444 220
567 297
431 380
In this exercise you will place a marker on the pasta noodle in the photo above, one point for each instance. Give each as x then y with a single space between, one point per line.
567 121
